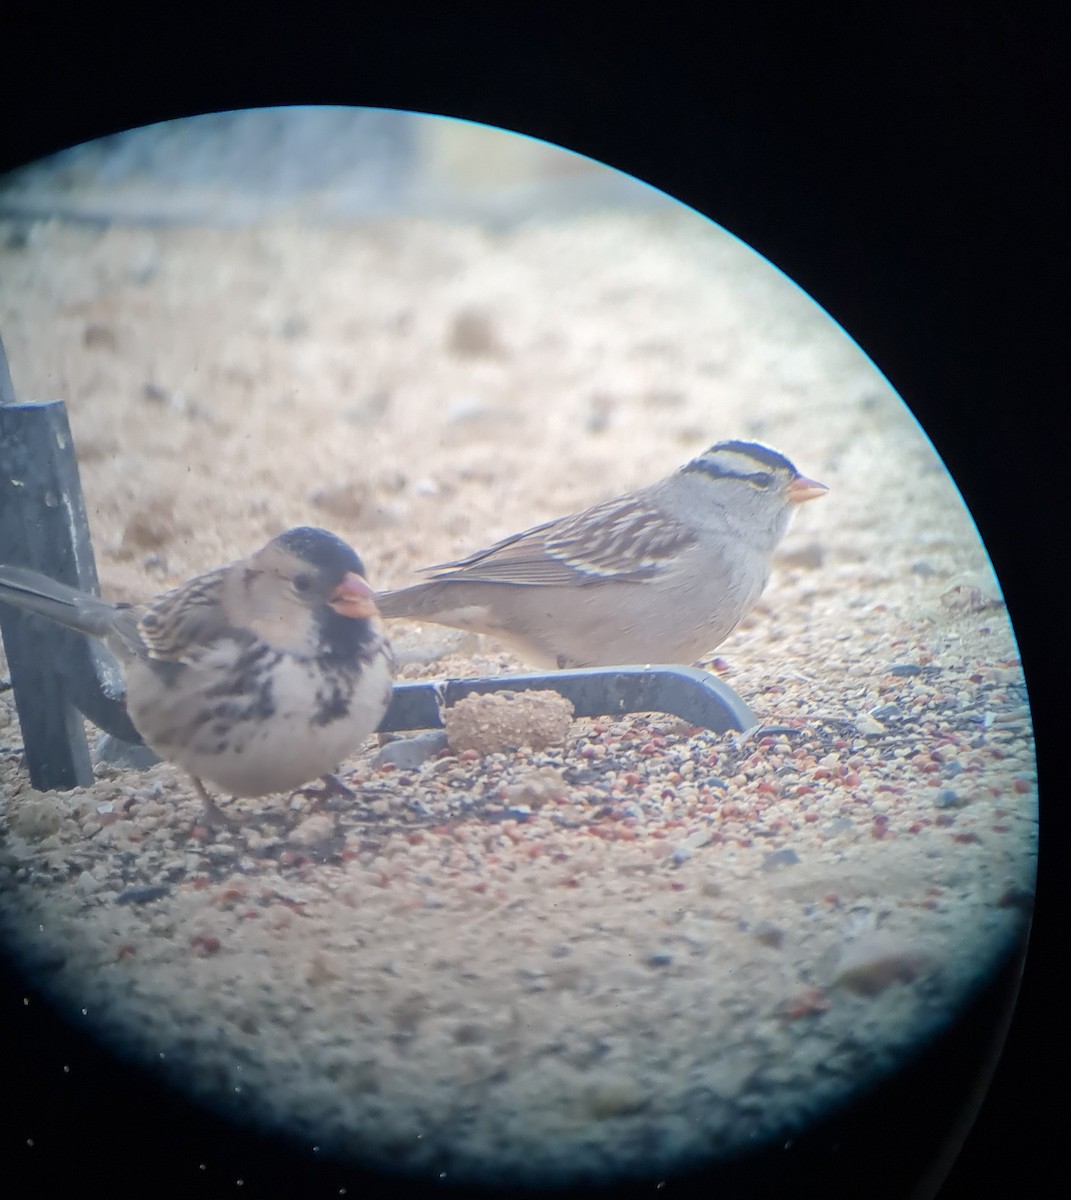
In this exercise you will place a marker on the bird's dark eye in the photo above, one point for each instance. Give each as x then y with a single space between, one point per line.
760 479
302 583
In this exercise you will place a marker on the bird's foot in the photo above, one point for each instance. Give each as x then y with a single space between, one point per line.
211 814
333 788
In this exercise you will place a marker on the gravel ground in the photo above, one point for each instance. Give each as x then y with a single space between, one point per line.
642 944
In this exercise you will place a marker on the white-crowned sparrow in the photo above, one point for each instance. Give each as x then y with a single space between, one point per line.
258 676
661 575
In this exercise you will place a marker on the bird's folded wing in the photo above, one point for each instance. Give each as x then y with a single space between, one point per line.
186 618
621 539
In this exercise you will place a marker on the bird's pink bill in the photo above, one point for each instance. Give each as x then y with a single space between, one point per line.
802 489
353 598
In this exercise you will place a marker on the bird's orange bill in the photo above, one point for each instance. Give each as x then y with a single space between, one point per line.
802 488
353 598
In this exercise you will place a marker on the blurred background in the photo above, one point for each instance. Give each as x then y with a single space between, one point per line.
309 164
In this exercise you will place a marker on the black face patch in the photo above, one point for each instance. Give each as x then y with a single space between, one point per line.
344 640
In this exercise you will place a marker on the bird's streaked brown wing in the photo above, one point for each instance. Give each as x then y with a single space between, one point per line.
622 539
185 618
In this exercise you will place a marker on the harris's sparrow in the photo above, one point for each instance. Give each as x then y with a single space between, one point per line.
258 676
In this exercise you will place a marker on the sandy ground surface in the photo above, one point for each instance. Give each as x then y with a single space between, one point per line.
640 947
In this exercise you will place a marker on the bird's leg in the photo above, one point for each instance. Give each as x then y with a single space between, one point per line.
213 816
332 787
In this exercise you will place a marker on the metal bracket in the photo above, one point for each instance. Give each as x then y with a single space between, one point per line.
685 692
57 675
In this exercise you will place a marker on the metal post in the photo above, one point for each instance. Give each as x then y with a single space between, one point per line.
57 675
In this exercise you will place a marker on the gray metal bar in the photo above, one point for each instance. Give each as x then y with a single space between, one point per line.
56 674
693 695
43 525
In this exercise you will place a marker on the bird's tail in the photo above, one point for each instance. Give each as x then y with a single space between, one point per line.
416 601
65 605
440 604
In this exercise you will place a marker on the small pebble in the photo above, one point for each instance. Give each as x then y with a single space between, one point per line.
412 752
113 750
947 798
886 712
99 337
700 837
867 725
293 326
874 962
768 934
780 858
143 895
472 335
313 829
616 1099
